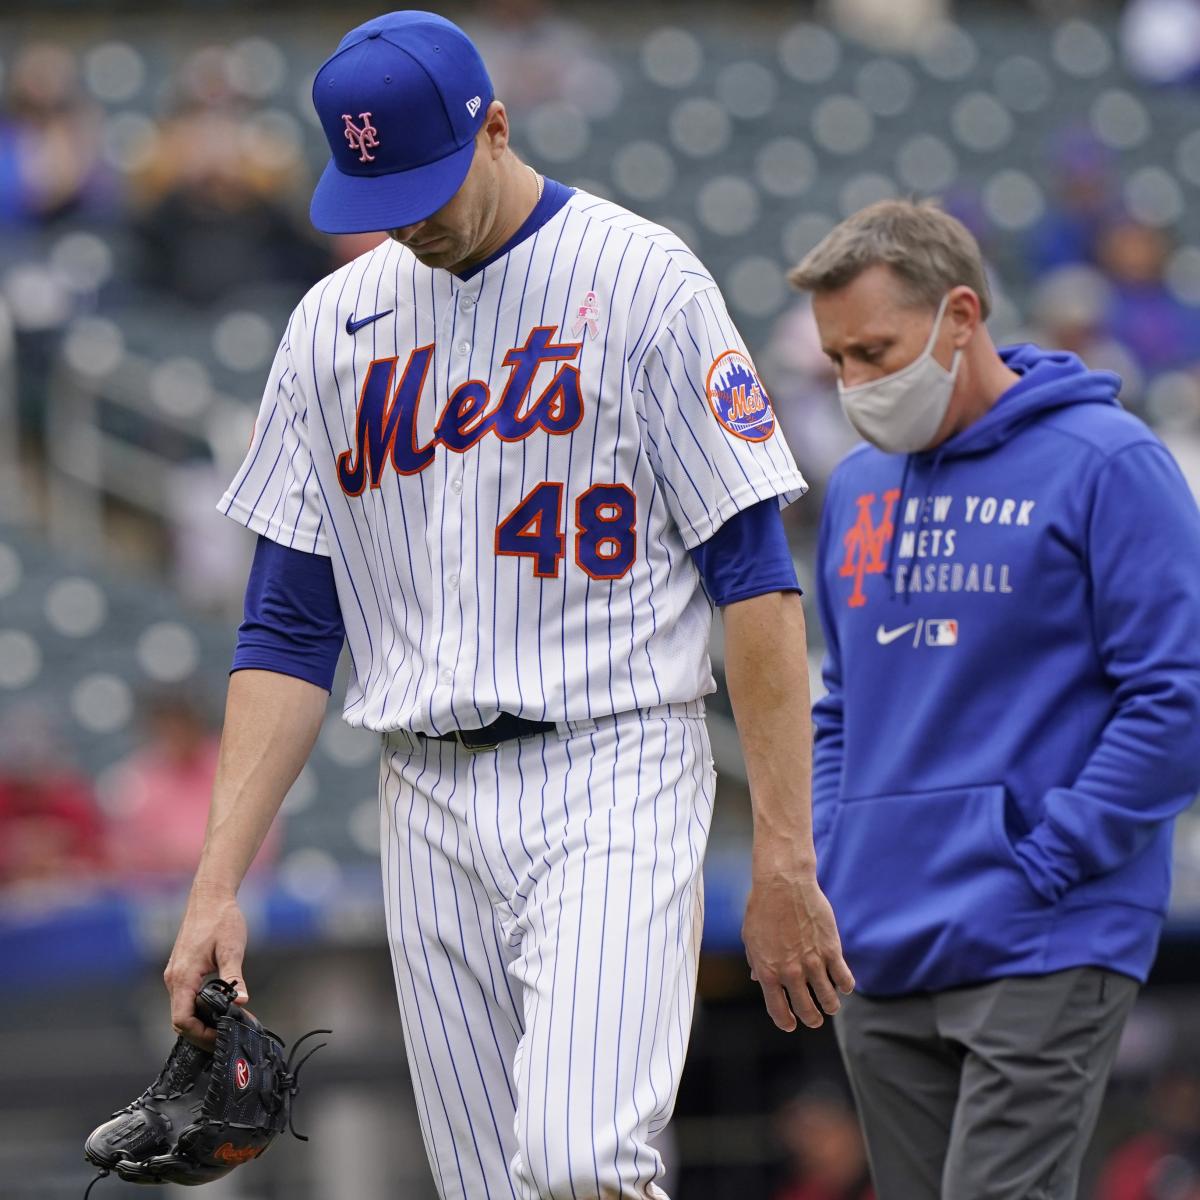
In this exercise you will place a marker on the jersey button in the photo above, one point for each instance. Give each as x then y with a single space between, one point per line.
464 348
447 676
467 303
452 581
456 487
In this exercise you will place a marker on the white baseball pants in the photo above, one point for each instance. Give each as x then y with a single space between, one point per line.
544 910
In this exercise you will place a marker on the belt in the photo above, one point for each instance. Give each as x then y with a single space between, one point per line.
503 729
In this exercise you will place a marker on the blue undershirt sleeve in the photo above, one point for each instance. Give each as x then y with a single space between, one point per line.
748 556
293 622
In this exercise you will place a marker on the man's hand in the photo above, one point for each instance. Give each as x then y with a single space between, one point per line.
792 946
212 937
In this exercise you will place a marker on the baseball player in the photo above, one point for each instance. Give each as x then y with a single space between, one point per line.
513 456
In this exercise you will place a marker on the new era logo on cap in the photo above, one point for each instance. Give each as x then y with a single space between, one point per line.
473 105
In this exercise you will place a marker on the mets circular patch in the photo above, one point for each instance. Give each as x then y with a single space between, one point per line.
738 400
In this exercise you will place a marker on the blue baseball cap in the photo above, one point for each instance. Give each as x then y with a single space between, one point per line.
400 101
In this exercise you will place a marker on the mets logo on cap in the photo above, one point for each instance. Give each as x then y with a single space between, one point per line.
738 400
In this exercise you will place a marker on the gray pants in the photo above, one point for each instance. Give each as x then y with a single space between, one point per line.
988 1092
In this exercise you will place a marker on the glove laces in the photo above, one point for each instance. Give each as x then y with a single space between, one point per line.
292 1078
103 1174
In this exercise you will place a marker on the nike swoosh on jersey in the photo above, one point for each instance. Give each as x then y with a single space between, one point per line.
886 636
353 326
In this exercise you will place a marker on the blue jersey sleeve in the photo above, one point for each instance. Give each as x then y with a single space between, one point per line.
748 556
293 622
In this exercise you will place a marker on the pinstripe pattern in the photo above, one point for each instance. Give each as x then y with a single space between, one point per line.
544 913
543 900
443 632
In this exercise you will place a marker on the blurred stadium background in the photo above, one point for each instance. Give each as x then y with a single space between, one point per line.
155 167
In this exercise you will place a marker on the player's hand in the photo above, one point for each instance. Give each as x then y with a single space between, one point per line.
793 947
212 937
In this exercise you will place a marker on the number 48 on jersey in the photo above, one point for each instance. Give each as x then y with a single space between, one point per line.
605 530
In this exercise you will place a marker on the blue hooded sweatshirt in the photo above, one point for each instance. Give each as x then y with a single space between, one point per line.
1013 714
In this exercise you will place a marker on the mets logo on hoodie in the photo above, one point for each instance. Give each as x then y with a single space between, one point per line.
738 400
866 542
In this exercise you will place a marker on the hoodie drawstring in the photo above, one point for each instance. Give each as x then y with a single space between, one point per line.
924 509
889 570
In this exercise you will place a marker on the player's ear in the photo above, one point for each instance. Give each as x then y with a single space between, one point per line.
495 129
963 310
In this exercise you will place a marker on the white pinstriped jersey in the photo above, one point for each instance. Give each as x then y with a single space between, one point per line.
508 471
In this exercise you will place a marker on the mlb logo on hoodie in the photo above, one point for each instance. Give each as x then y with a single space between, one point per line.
941 633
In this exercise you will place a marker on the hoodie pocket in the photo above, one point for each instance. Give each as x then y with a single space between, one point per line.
928 892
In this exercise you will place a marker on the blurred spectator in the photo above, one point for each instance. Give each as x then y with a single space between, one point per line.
50 828
826 1156
1079 202
1160 331
215 195
50 139
1070 308
158 797
1163 1162
215 230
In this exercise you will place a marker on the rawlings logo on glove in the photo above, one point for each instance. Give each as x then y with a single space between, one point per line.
206 1113
227 1153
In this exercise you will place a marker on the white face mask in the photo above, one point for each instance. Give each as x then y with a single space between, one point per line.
902 412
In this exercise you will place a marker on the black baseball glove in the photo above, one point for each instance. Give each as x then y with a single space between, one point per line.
206 1113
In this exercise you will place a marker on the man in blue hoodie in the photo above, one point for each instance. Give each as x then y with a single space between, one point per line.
1009 579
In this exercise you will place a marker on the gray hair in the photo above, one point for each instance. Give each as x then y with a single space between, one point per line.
927 249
